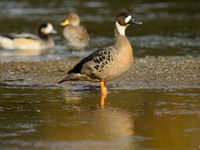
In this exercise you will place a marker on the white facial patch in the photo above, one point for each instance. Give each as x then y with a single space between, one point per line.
121 29
128 19
48 29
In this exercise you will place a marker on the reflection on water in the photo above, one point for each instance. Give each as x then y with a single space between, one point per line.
170 28
25 55
21 53
70 119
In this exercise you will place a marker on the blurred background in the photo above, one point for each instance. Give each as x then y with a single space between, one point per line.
171 28
133 119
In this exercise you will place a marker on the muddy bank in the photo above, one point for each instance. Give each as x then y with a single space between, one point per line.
150 72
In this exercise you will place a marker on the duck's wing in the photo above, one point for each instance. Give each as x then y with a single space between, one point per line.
88 68
24 35
5 35
93 61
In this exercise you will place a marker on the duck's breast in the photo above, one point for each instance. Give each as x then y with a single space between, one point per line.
122 60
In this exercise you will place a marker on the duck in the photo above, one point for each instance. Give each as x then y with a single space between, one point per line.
76 35
108 63
27 41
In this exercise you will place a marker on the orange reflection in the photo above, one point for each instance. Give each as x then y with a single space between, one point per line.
102 102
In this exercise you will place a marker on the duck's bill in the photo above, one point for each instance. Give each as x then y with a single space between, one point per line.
66 22
135 22
54 31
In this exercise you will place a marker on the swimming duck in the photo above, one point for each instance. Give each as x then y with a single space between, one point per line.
76 35
107 63
26 41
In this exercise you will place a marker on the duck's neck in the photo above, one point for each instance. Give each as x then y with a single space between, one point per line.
120 37
75 23
43 36
119 29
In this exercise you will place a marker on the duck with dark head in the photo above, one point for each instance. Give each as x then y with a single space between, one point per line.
27 41
108 63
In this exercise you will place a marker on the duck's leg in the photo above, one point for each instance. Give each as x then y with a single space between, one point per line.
103 93
103 88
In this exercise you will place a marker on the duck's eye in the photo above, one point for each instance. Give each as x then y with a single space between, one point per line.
128 19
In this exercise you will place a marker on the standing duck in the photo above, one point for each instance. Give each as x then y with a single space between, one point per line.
26 41
107 63
76 35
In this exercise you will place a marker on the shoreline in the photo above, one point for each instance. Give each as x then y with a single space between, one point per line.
145 73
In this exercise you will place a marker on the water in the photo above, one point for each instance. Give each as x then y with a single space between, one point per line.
135 119
49 119
170 28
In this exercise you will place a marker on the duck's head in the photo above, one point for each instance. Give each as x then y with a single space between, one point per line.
72 19
123 20
46 28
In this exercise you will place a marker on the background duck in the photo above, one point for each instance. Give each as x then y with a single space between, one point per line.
26 41
107 63
76 35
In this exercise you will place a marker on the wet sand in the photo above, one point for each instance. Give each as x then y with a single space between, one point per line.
145 73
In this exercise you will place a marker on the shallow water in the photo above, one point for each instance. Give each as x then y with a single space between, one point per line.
134 119
170 28
46 119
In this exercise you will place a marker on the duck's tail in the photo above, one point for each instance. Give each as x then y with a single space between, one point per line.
6 42
64 80
78 77
1 40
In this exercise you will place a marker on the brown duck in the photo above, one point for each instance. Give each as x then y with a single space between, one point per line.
76 35
107 63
